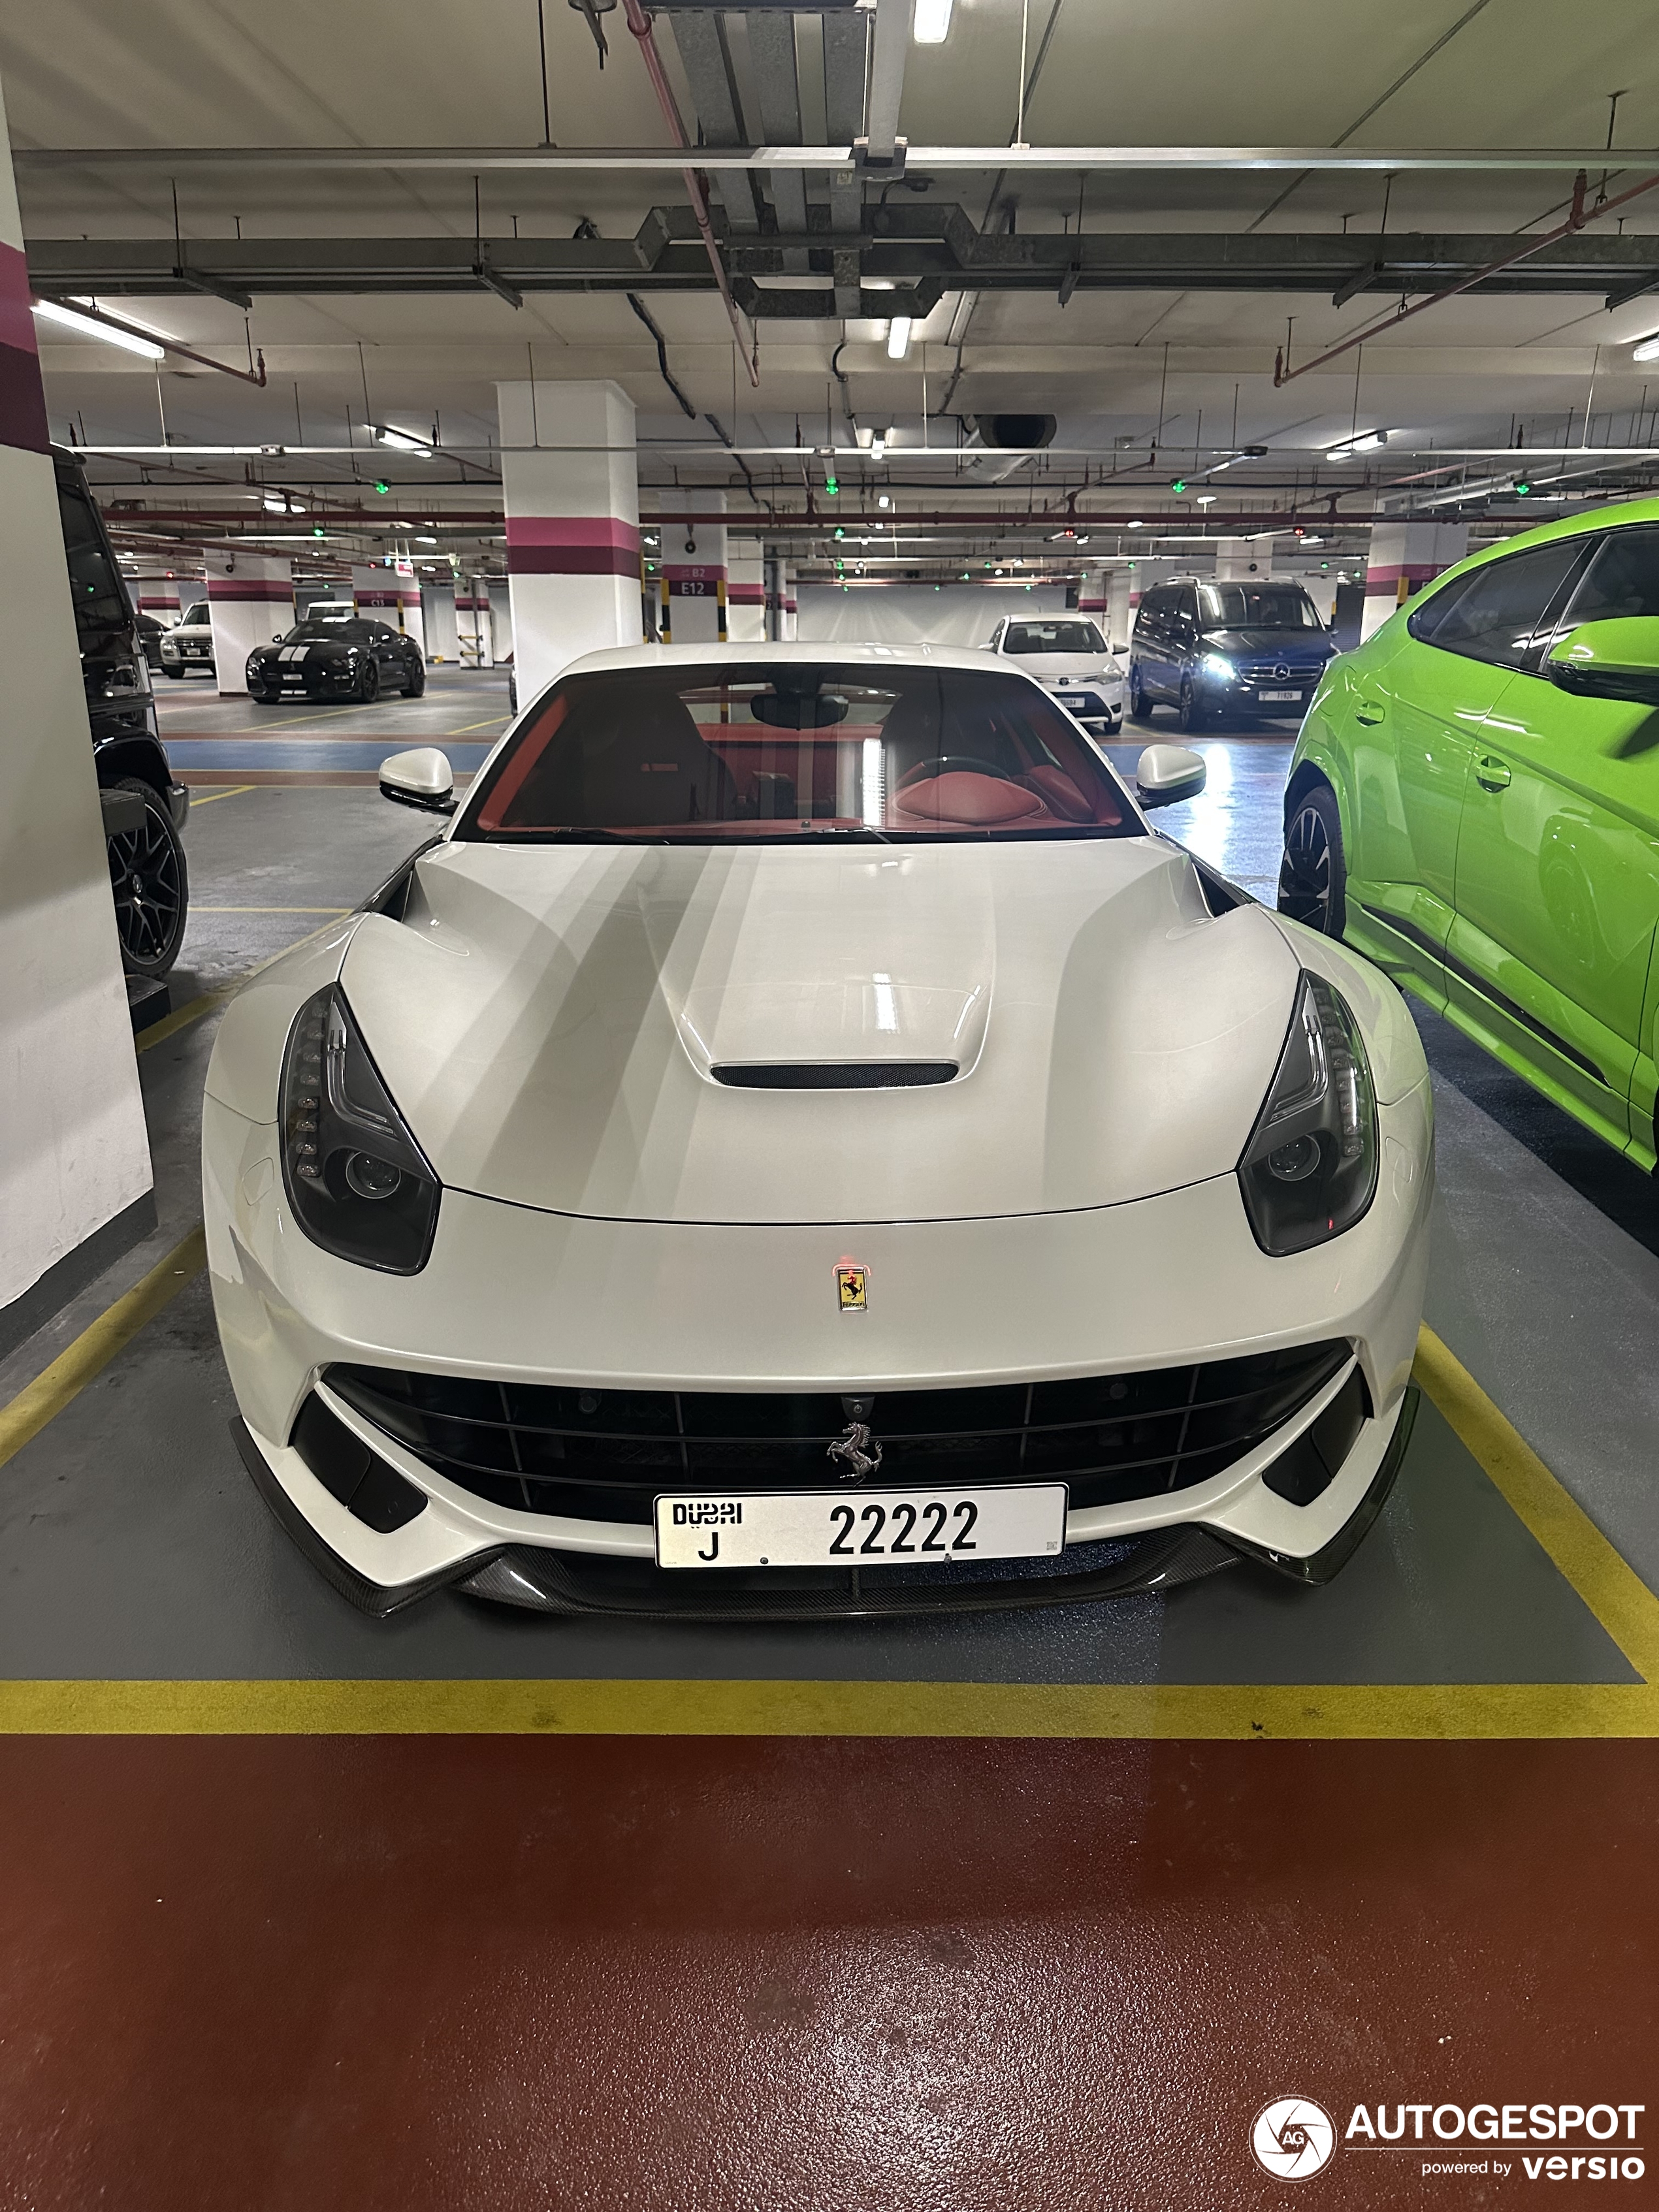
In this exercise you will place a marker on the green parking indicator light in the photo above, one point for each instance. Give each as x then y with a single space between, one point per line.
317 530
832 485
840 532
1521 490
382 486
1177 484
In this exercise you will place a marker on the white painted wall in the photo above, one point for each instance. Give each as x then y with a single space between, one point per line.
916 614
73 1148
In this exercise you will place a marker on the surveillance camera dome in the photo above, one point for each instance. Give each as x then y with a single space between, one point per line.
690 545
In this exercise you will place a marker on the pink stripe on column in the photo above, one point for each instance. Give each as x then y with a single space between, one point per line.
1414 572
264 589
573 530
746 595
22 402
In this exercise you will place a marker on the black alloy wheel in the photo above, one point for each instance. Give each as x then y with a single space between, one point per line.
150 885
1313 877
1140 707
368 679
416 682
1189 714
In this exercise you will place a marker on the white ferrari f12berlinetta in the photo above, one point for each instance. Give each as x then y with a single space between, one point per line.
800 1143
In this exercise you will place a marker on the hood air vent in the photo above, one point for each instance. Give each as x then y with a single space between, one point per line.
833 1074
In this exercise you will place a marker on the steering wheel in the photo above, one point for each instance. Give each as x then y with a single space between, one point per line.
949 763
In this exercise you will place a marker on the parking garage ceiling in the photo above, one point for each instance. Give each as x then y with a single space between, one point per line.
1133 221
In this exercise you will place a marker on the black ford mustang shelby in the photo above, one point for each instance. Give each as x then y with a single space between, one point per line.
327 658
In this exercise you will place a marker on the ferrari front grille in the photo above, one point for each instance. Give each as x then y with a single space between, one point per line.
602 1454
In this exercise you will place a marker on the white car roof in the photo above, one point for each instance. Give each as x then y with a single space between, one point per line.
769 654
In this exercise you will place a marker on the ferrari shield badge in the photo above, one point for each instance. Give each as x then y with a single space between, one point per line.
852 1286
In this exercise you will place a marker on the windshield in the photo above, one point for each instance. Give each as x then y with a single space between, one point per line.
198 613
307 632
790 750
1053 637
1256 606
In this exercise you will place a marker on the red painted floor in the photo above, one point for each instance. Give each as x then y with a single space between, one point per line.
668 1975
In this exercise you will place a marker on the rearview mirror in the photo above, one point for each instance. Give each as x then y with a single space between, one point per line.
421 778
1610 660
1166 773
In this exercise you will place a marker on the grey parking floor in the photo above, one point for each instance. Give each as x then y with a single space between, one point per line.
132 1547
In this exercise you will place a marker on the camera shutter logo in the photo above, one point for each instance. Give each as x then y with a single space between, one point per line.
1293 2138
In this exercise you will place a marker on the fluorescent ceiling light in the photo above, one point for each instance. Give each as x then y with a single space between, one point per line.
400 440
1369 442
933 23
1646 349
1135 525
89 326
426 541
884 501
898 337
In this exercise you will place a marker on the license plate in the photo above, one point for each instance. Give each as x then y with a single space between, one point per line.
1291 698
854 1528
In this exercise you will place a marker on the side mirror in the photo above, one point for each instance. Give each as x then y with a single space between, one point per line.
423 778
1610 660
1165 775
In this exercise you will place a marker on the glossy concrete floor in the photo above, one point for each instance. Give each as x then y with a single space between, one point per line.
473 1908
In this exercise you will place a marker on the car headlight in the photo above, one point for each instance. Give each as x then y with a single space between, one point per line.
1217 663
169 649
1309 1170
359 1184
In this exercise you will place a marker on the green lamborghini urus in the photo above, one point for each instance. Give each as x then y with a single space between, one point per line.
1473 802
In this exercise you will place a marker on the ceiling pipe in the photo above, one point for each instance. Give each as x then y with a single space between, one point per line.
645 160
640 24
1576 221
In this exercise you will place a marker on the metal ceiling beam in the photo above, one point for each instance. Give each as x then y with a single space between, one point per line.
890 48
32 161
846 57
777 86
924 248
707 61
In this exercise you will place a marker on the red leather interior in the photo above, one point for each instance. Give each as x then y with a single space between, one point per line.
978 802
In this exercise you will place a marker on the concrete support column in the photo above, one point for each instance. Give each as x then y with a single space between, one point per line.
1091 594
374 591
474 643
573 524
791 628
694 557
411 616
438 622
745 590
250 601
1242 560
75 1175
775 590
159 596
1403 557
1120 609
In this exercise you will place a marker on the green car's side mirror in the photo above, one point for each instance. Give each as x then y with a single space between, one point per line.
1610 660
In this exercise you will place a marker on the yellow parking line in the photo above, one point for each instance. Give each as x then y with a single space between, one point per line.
467 726
1609 1586
40 1400
210 1001
206 800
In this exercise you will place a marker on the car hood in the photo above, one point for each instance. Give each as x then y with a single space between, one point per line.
326 645
1050 667
1295 646
547 1018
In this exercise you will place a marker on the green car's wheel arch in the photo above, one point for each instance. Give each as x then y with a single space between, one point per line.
1313 876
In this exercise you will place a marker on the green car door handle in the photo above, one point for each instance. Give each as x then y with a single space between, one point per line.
1491 774
1370 711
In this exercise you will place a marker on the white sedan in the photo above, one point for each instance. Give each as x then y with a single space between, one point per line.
798 1143
1071 661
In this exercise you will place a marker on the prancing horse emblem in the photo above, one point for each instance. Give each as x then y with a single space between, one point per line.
857 1450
